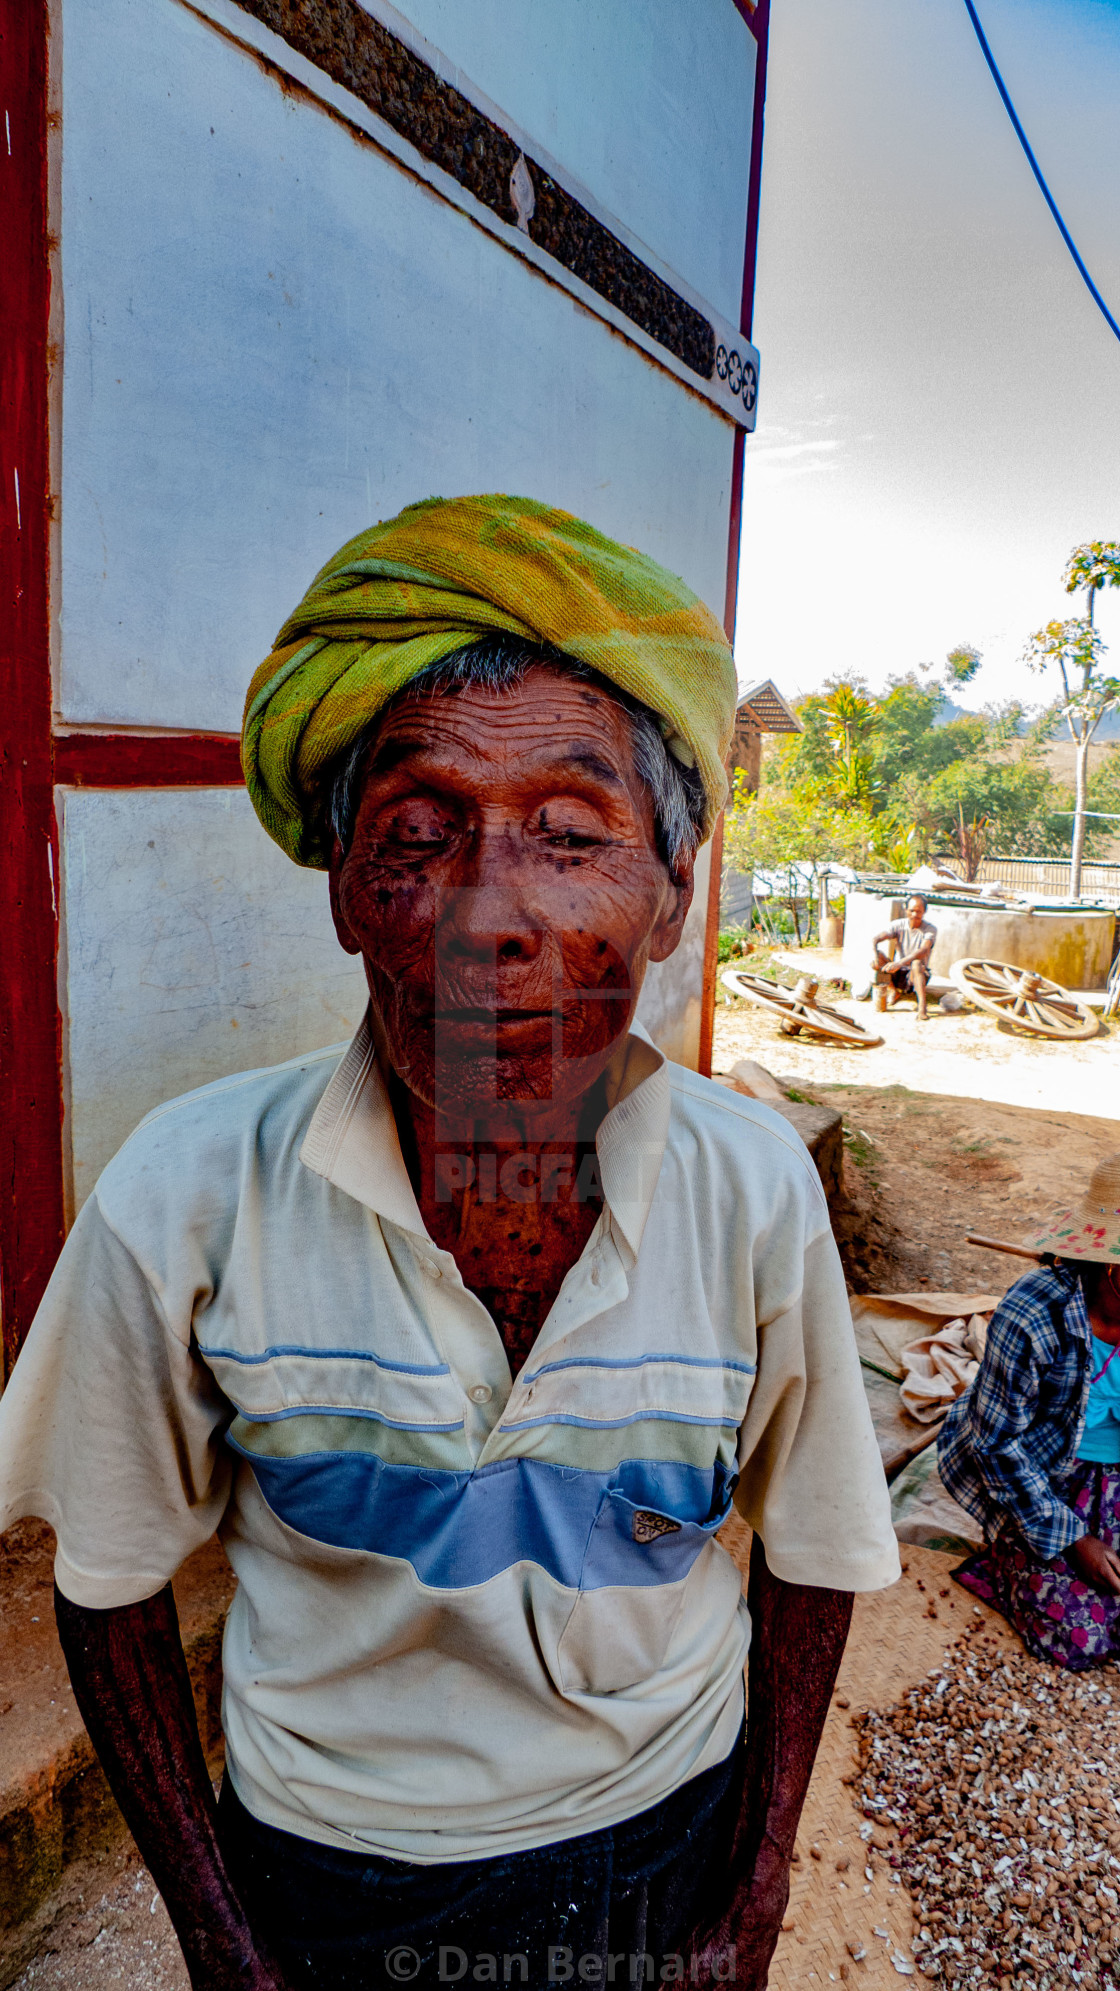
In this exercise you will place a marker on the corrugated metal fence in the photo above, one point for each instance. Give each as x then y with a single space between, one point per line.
1099 883
1022 874
1031 874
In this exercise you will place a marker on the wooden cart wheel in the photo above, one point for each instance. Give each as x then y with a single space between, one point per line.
1025 1000
798 1009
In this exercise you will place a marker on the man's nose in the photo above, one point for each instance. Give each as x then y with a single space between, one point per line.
490 916
488 924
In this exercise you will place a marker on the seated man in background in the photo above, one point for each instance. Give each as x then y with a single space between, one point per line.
904 967
465 1341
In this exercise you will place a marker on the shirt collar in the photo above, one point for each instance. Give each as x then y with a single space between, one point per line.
353 1142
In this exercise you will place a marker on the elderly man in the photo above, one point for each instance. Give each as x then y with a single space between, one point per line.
905 965
466 1341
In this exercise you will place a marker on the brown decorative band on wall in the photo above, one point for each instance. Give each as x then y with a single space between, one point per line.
364 57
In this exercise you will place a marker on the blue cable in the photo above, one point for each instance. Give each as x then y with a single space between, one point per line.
1037 170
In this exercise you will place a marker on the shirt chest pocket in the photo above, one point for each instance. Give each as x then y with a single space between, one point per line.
652 1526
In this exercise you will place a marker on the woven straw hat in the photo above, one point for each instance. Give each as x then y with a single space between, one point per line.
1091 1229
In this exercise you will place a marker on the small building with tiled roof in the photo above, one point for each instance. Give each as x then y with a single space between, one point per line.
760 710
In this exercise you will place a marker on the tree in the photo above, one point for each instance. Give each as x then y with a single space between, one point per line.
849 717
911 742
1077 648
978 803
795 835
1094 566
1007 724
1104 797
962 664
878 782
972 843
831 754
788 831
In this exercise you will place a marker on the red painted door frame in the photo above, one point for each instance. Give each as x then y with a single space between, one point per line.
147 760
31 1210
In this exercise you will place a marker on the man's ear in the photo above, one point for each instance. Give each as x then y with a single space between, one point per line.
334 878
666 936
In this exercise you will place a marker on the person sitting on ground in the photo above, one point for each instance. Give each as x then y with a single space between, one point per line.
1033 1447
905 966
464 1341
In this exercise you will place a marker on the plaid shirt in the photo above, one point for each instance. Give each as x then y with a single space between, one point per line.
1009 1444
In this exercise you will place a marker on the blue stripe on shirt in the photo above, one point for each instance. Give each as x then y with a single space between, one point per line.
348 1410
322 1355
460 1529
637 1362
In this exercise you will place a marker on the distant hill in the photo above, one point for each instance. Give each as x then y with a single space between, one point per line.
949 711
1109 728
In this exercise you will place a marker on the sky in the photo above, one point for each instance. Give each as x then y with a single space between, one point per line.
939 408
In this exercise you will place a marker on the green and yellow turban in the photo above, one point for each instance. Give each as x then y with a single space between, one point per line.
444 573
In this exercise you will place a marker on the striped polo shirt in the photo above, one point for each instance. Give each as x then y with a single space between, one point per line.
474 1614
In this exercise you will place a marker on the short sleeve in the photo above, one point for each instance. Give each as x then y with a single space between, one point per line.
111 1428
811 1481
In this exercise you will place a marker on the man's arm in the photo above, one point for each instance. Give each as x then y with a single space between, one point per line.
798 1634
917 948
133 1692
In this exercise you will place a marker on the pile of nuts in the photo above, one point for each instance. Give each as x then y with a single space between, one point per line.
999 1777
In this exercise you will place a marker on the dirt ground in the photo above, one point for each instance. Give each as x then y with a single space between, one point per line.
112 1928
969 1055
926 1163
921 1171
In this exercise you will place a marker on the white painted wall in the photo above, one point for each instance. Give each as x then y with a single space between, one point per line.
275 336
649 105
669 1005
194 948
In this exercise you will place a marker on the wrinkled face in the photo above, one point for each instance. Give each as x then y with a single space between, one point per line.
505 891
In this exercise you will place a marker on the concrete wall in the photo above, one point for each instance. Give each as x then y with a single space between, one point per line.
193 949
864 916
274 333
669 1005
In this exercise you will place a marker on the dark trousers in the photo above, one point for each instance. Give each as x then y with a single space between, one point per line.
617 1906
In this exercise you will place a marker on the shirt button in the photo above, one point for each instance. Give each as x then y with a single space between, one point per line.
433 1270
481 1393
